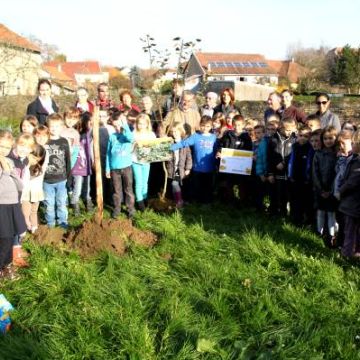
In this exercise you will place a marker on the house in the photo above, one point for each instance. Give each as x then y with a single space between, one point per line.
61 83
288 70
81 72
20 62
252 68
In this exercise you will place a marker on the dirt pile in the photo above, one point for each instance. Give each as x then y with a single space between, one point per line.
90 238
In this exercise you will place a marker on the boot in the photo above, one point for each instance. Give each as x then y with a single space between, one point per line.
76 208
141 205
89 206
178 199
19 256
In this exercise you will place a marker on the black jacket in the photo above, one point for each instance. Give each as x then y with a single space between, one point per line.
35 108
350 190
279 151
239 142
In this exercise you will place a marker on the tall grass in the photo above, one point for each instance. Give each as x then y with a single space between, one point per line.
220 284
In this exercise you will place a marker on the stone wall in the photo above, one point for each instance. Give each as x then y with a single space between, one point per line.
345 108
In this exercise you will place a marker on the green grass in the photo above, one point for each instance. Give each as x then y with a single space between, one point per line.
237 286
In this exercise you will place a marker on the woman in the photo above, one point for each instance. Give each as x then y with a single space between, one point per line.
327 118
131 110
83 103
44 105
227 102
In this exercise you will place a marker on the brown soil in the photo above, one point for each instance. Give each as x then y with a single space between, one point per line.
162 205
90 237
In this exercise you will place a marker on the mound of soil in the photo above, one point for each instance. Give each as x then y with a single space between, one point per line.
90 238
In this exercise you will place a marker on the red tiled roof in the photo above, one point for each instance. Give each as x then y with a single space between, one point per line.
55 74
80 67
287 68
207 58
9 37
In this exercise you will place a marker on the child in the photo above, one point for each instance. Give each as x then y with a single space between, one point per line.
28 124
142 131
12 222
118 164
260 146
42 135
82 169
33 191
313 122
71 119
229 119
349 125
350 201
180 165
240 140
56 173
272 125
204 149
280 145
315 140
299 173
343 157
323 180
219 125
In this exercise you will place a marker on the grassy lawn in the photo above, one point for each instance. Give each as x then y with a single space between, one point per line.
220 284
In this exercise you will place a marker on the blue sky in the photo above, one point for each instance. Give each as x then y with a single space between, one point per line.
109 30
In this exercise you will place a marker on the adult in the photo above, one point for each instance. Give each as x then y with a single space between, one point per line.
126 105
174 100
289 110
274 106
211 99
227 103
147 105
185 114
43 105
327 118
83 103
103 97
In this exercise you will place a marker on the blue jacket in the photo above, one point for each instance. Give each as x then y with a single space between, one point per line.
261 157
204 151
119 150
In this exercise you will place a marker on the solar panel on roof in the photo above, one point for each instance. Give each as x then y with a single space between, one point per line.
254 64
262 64
237 64
246 64
228 64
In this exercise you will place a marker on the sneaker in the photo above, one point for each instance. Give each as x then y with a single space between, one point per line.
64 226
131 214
115 214
89 206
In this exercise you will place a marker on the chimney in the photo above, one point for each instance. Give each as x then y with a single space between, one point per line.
59 67
292 60
209 67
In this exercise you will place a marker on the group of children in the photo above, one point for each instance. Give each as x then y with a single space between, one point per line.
308 173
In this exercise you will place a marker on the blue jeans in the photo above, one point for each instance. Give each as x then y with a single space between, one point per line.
141 176
81 187
55 197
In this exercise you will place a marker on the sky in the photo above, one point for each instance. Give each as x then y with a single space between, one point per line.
109 30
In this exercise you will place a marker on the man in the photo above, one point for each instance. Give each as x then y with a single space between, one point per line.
290 110
103 100
211 101
175 98
274 103
184 114
147 106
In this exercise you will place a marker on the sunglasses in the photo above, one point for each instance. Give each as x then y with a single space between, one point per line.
322 102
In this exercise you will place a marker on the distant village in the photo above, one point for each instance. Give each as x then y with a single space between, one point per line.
252 76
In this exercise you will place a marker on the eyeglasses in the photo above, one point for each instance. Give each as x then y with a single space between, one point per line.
322 102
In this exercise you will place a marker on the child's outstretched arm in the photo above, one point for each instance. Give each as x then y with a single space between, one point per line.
190 141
